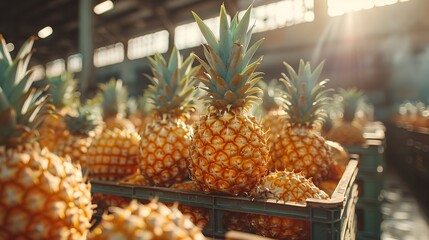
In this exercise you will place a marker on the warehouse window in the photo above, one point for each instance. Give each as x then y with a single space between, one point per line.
109 55
147 45
189 35
280 14
266 17
74 63
339 7
55 68
38 73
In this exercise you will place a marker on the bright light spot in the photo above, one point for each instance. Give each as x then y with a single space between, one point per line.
74 63
45 32
339 7
103 7
148 44
309 16
380 169
55 68
189 35
109 55
10 47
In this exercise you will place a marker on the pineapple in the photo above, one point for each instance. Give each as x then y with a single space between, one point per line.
113 154
299 146
151 221
164 148
273 116
229 150
288 187
135 179
104 201
81 127
236 221
339 154
198 215
348 132
43 196
62 90
114 104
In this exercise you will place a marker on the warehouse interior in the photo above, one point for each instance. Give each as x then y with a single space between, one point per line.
378 46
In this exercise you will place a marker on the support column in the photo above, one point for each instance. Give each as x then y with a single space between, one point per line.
321 10
87 80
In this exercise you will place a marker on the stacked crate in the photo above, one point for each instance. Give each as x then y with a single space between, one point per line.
410 155
329 219
370 181
417 162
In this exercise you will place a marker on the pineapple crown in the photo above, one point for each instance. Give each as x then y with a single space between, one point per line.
230 79
22 108
172 89
305 98
114 98
62 90
83 121
350 100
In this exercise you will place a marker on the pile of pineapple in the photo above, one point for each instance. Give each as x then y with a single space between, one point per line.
412 114
47 166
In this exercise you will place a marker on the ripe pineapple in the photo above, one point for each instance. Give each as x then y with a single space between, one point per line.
151 221
81 127
339 154
198 215
135 179
236 221
299 146
43 196
164 148
273 116
348 132
229 150
62 90
289 187
113 154
114 104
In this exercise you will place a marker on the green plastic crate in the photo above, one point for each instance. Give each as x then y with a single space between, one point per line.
329 219
371 156
370 186
369 220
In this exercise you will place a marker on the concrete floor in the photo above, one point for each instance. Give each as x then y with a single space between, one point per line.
403 216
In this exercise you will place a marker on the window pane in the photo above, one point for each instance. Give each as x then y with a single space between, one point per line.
109 55
55 68
148 44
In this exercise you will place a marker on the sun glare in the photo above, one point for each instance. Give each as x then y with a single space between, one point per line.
339 7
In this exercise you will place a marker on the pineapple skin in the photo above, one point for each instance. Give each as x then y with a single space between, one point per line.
272 123
43 196
301 149
229 152
54 131
347 133
113 155
150 221
76 147
289 187
198 215
164 152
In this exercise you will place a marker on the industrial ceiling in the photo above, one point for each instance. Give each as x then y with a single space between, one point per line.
129 18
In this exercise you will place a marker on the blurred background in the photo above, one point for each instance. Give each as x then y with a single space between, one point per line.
380 46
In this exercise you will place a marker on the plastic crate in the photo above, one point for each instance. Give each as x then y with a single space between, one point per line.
370 186
329 219
371 155
369 220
